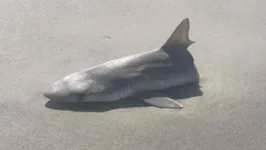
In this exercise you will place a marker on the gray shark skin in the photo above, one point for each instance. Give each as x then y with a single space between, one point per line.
148 71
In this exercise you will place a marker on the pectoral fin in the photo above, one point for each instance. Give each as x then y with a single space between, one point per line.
161 102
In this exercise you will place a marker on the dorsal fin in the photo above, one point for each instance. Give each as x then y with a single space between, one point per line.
179 36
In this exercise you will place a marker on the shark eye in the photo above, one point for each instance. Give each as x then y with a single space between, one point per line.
79 86
82 86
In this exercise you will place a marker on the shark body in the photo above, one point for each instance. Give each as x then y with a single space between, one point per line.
168 66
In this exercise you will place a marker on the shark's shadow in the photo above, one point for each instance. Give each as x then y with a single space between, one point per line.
177 93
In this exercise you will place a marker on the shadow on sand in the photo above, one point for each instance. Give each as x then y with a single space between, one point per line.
177 93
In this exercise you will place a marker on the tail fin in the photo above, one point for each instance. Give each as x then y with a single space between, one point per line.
180 35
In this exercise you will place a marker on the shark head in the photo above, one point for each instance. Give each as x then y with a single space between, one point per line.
73 87
59 91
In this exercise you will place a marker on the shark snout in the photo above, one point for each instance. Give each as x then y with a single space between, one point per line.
52 95
58 95
59 92
56 91
49 95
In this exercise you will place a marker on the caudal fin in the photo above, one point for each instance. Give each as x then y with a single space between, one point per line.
179 36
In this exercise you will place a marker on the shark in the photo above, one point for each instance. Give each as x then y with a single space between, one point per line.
168 66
